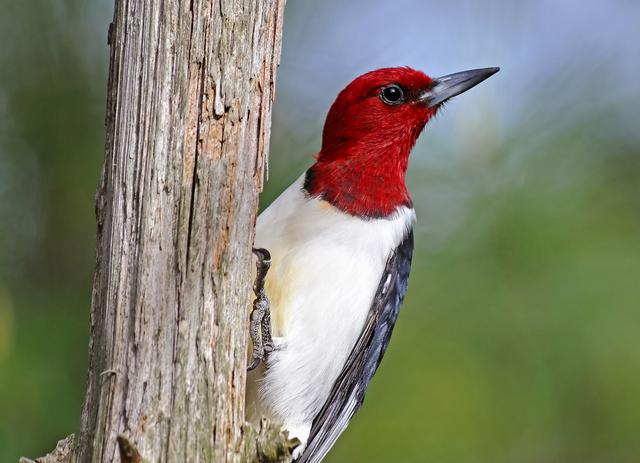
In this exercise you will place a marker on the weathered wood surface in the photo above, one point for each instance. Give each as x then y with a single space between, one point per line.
190 91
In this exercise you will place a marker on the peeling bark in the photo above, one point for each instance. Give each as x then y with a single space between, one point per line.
190 91
63 453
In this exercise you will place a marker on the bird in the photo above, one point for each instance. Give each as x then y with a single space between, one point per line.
335 251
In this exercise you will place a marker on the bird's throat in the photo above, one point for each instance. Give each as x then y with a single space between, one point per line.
366 189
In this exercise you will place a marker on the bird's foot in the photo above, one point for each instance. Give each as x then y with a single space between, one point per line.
260 320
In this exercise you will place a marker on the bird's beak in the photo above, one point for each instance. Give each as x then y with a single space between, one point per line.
448 86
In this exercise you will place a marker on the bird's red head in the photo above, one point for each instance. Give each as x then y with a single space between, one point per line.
369 133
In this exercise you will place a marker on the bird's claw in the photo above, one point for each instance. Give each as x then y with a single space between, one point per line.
268 348
260 320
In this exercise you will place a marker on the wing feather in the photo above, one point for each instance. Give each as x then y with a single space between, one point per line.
347 393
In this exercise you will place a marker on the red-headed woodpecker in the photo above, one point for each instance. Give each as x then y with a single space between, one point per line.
340 239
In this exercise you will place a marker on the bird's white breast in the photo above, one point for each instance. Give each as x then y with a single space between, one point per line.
326 266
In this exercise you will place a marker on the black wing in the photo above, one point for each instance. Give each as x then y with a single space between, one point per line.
347 393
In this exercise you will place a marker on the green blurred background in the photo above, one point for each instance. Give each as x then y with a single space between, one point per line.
520 337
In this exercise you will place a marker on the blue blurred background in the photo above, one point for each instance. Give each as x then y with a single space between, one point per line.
518 341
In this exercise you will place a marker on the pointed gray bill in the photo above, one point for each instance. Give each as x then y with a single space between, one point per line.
448 86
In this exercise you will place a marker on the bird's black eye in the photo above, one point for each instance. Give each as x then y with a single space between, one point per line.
392 94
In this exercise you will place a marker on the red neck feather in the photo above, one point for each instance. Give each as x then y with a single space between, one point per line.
363 180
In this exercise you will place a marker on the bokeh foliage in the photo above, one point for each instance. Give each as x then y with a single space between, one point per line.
518 339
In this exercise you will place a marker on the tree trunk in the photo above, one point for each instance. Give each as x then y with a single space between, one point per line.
191 85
